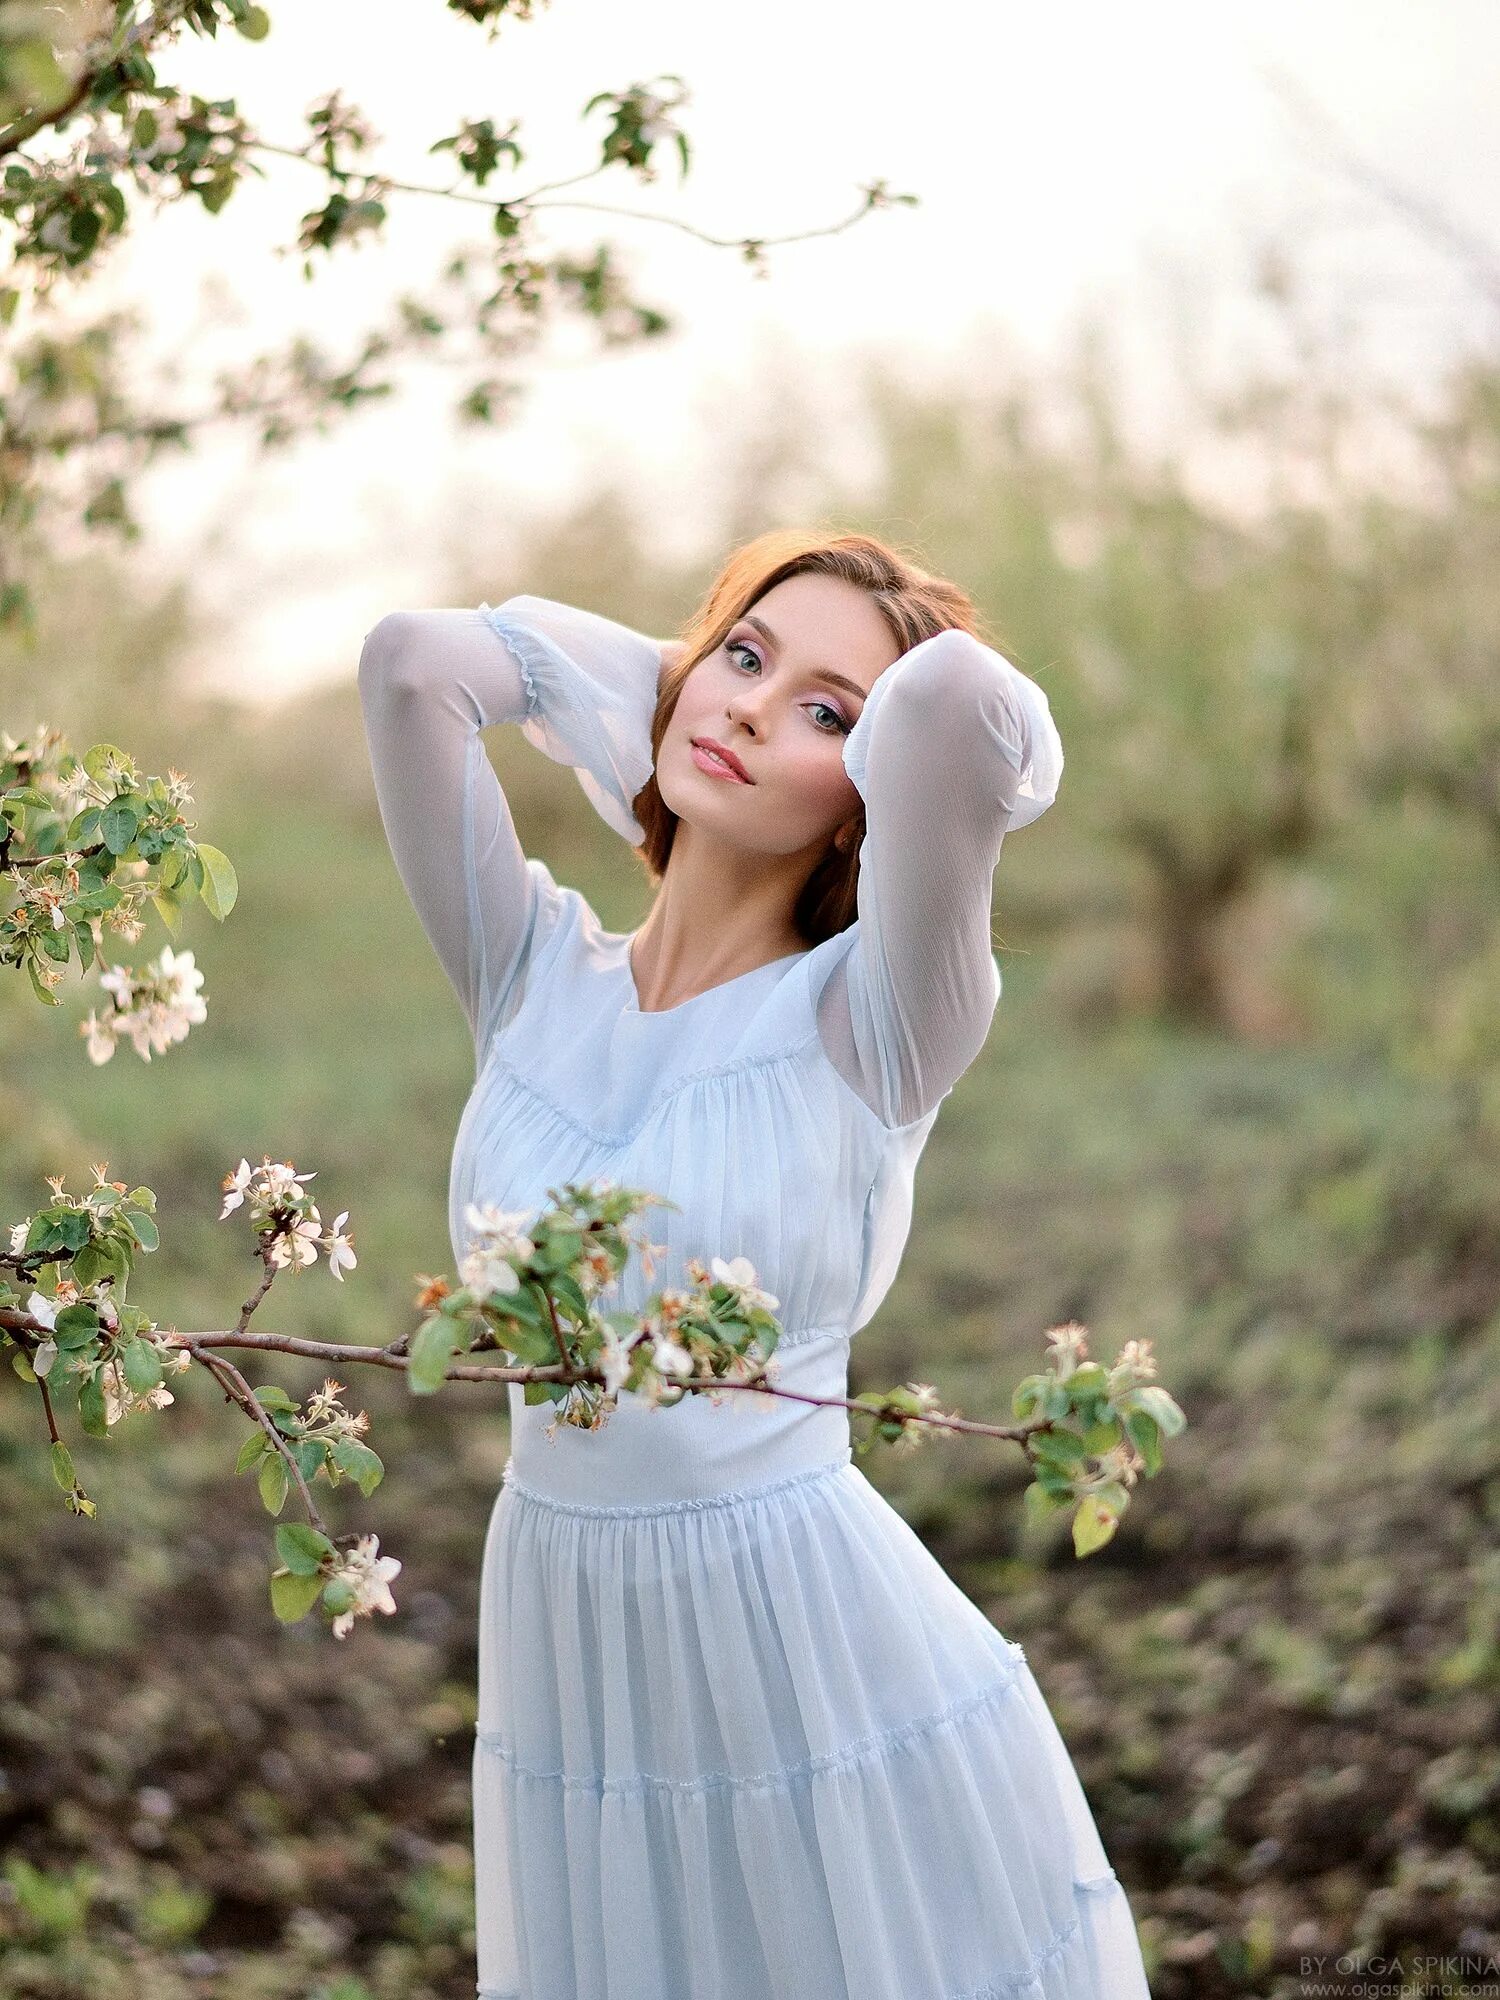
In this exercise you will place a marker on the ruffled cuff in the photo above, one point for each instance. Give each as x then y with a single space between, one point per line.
1029 740
601 730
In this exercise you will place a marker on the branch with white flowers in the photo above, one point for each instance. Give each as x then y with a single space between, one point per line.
531 1291
85 844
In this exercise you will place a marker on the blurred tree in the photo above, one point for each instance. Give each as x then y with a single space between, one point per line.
1429 719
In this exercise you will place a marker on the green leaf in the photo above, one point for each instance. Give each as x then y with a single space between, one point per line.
85 827
566 1290
62 1467
1041 1504
254 1447
561 1250
141 1366
1027 1397
89 1264
42 992
292 1596
254 24
1093 1525
432 1350
273 1482
169 909
308 1452
1158 1404
273 1398
361 1464
220 883
142 1228
96 758
91 1407
545 1392
1146 1438
302 1547
1088 1379
1059 1447
119 826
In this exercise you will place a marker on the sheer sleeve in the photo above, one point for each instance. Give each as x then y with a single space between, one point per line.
582 688
953 748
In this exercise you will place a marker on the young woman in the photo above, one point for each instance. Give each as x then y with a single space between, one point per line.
740 1736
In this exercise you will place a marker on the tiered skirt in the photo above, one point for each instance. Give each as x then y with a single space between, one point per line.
760 1746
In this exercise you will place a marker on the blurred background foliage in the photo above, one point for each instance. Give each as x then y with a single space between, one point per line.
1241 1097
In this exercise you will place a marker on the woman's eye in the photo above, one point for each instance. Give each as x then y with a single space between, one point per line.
836 722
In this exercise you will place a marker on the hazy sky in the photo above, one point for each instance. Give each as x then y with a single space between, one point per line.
1078 153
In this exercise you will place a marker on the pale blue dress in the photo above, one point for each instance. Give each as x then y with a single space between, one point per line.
740 1737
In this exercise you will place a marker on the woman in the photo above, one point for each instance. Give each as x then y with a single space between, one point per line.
740 1736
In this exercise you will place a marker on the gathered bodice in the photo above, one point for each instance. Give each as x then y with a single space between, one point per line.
728 1106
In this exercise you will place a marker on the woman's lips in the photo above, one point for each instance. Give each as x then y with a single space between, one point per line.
705 759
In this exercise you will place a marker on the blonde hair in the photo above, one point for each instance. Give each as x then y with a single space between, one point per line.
915 606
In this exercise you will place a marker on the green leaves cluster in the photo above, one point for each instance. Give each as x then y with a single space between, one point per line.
1098 1430
75 870
550 1307
71 1243
87 1238
334 1457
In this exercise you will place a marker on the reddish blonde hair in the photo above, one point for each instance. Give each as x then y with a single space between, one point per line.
914 604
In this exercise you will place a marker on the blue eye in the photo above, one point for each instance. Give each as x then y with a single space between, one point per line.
839 725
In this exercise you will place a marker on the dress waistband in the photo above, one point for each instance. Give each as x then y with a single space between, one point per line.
696 1450
738 1497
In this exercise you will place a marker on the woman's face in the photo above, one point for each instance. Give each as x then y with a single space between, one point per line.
780 695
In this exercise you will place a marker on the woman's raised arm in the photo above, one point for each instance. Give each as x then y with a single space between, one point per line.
583 689
953 748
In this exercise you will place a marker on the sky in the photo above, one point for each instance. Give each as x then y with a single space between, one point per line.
1078 157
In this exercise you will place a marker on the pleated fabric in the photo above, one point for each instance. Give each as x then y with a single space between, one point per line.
761 1745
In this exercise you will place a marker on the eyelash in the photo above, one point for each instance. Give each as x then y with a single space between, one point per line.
733 646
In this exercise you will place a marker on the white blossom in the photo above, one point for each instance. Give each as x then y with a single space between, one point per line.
236 1186
670 1356
101 1040
297 1244
336 1242
1069 1345
739 1274
120 1400
368 1574
614 1361
155 1007
497 1242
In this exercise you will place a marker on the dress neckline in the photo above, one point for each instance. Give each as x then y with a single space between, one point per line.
632 992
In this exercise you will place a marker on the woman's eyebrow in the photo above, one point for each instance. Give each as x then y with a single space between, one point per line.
823 674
